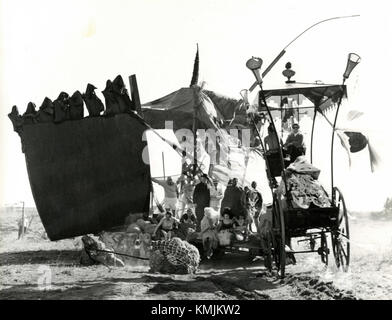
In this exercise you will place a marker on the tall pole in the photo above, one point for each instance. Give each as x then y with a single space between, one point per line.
194 128
332 140
163 165
23 221
277 137
311 137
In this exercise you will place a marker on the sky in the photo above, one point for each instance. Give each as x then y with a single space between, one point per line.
51 46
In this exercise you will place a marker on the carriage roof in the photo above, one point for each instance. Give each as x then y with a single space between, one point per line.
323 96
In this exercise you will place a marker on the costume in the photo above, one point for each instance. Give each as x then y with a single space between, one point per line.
216 197
201 197
233 200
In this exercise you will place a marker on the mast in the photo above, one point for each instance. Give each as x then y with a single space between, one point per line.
194 81
195 74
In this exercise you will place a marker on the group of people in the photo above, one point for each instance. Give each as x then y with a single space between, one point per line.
200 205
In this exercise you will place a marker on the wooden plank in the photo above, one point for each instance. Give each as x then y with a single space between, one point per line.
135 94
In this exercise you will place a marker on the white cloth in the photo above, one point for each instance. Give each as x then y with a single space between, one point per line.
170 203
216 196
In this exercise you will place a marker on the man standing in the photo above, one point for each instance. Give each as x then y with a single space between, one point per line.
201 198
233 199
255 203
186 194
171 193
216 193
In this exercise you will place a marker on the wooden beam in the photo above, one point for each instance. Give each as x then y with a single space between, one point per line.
135 94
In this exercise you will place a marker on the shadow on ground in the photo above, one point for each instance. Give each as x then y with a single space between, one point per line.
53 257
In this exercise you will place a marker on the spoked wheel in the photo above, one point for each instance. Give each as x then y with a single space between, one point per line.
341 235
279 237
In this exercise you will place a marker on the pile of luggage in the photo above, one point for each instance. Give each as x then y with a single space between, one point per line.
304 187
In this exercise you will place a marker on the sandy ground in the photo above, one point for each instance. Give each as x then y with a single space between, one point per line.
35 268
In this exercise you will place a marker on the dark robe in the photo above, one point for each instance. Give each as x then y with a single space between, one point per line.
16 119
46 111
93 103
76 106
201 197
121 95
233 200
61 108
30 115
112 106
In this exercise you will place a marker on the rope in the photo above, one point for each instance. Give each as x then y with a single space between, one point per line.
120 254
176 148
312 26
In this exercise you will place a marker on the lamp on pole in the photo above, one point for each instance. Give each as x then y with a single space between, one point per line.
352 61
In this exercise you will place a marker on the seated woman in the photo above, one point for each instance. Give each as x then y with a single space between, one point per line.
225 228
166 226
226 222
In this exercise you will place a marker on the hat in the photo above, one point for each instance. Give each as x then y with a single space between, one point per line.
295 125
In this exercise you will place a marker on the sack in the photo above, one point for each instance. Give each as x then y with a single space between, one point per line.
225 237
141 223
149 228
302 166
134 228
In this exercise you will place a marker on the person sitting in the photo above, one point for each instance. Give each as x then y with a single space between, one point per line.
187 225
226 222
166 227
295 143
241 230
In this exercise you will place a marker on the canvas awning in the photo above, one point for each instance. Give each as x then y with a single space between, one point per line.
181 107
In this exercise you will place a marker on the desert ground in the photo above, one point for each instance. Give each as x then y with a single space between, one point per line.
36 268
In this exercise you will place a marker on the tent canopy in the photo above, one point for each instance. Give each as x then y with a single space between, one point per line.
181 107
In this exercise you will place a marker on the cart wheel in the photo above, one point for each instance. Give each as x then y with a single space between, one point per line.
341 235
323 250
279 238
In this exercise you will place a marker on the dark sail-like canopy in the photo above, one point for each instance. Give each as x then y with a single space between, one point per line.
181 107
86 175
